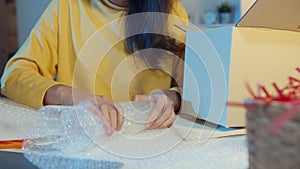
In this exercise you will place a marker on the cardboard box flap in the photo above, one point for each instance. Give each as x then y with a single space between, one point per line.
274 14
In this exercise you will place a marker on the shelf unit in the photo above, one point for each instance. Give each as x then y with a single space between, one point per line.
196 9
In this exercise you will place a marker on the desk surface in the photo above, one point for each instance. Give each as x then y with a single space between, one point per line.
227 152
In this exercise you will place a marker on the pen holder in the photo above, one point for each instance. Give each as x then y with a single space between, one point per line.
268 149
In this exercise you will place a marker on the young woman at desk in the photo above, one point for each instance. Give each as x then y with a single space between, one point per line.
52 50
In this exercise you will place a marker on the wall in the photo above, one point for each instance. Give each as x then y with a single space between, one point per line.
199 6
8 31
196 8
28 12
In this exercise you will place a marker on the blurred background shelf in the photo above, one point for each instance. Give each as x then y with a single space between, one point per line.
197 9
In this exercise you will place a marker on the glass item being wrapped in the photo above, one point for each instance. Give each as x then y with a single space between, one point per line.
56 132
68 129
57 128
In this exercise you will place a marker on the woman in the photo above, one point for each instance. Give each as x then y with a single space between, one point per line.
53 48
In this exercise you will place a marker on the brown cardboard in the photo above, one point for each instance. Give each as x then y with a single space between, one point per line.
273 14
264 47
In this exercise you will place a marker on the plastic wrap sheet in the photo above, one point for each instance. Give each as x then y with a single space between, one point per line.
214 154
67 129
73 137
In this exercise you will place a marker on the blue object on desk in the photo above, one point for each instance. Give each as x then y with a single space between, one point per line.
12 160
43 161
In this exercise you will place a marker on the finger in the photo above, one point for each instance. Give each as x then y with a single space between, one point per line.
120 117
105 113
113 117
169 122
107 129
166 114
141 98
94 107
120 122
155 113
104 99
106 117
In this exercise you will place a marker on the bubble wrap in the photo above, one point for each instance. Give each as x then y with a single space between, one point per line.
75 128
53 147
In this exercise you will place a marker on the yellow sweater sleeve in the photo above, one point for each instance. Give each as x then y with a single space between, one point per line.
29 73
50 51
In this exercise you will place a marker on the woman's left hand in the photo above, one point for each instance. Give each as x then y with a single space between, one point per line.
162 114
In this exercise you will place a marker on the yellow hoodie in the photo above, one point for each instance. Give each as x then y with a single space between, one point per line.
58 51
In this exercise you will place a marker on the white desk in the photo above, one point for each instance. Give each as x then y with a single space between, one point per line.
230 152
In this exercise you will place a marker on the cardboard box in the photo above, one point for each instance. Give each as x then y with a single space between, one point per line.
263 47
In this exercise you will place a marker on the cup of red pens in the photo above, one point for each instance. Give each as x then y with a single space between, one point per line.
273 123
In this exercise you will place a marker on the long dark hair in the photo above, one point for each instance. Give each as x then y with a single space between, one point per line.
155 23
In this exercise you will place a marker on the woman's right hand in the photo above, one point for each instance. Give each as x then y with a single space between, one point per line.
111 113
